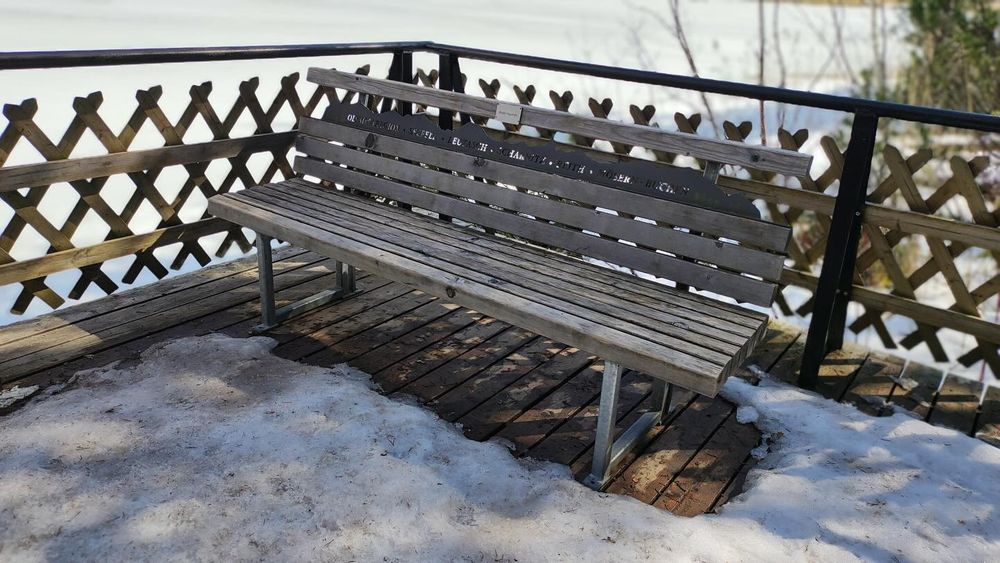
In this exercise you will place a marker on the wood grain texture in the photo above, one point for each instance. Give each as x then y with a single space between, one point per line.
46 173
744 289
471 289
759 158
493 272
545 268
757 233
32 268
569 212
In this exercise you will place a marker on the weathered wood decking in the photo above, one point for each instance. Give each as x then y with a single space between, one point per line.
494 379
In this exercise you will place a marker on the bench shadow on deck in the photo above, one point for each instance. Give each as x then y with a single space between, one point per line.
496 380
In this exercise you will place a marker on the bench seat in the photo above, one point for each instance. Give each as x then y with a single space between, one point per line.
674 335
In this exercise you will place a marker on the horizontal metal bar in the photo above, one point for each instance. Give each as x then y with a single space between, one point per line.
302 306
633 439
116 57
923 114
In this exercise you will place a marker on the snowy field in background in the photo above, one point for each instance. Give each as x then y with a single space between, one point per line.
211 448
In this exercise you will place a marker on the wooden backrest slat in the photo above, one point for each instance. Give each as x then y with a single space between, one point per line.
729 152
728 256
739 287
756 233
668 222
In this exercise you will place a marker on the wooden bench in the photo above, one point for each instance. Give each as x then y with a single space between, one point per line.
437 209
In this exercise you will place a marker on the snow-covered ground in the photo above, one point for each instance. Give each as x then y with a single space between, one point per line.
212 448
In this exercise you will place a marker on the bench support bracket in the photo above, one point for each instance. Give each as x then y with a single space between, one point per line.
608 452
272 317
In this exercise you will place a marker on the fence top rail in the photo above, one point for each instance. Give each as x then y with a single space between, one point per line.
23 60
114 57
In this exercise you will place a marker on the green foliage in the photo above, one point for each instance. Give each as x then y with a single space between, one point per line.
955 61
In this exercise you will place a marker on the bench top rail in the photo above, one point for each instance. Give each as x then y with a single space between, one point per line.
769 159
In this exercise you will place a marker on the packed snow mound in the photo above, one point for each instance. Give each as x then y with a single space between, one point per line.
212 448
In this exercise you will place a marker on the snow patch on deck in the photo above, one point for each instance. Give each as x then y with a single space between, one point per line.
212 448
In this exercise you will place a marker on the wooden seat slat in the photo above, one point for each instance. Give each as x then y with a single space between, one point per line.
743 288
557 268
757 233
499 275
475 291
733 257
522 272
759 158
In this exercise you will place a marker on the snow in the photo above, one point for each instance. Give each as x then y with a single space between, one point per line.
747 415
212 448
16 393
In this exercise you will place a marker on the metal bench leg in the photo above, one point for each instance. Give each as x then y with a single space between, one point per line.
265 273
271 317
609 452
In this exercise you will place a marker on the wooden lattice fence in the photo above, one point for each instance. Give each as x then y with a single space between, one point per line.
23 187
901 221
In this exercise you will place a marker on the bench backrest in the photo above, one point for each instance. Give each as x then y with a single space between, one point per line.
665 221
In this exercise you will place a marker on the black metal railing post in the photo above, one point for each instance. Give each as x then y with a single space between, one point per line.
458 84
446 82
833 292
450 80
400 70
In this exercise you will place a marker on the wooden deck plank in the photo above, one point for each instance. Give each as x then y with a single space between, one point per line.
838 370
392 378
697 486
786 368
60 344
575 436
736 485
671 451
915 388
400 348
291 285
651 472
988 423
499 380
582 465
34 328
374 292
92 343
369 317
956 404
439 381
378 335
872 387
541 419
488 418
470 394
